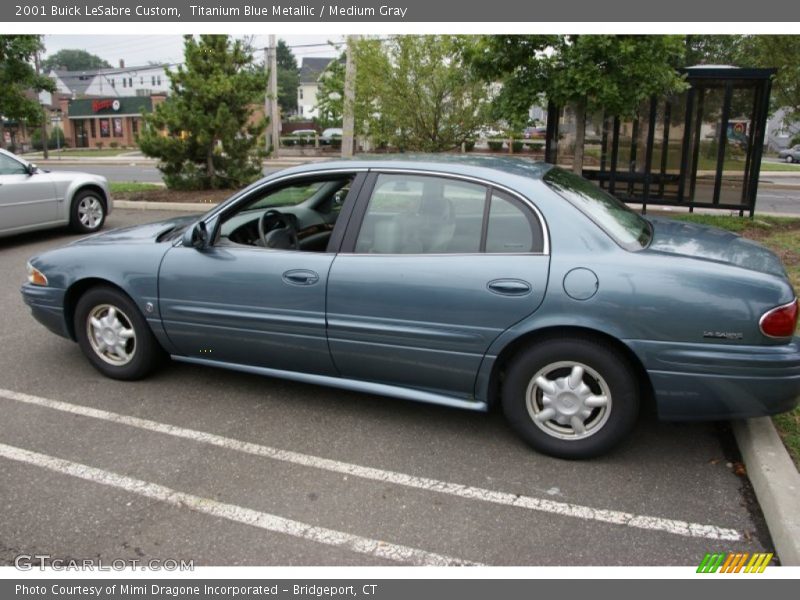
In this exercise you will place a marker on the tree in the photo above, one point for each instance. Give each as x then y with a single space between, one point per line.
781 51
74 60
612 73
288 79
330 107
18 78
205 133
413 92
732 50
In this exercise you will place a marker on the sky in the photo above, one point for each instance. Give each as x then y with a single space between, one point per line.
138 50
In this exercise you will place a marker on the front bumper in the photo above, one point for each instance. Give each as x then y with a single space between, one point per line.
47 307
717 381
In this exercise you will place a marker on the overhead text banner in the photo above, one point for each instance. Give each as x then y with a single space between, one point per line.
197 11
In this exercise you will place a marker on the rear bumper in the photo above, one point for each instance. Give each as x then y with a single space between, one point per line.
47 307
710 381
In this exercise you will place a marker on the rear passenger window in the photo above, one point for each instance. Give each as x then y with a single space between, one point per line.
417 214
511 228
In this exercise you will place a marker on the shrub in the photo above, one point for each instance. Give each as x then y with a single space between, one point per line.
469 145
495 146
517 146
113 145
99 145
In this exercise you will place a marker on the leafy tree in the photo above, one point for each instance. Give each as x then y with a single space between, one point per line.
614 73
18 78
74 60
330 106
288 78
205 133
413 92
733 50
781 52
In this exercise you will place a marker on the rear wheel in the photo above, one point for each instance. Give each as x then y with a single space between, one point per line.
114 335
789 158
88 212
571 397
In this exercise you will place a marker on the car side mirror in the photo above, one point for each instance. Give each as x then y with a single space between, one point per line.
196 236
31 168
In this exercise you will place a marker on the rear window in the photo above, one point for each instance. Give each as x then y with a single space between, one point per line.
628 228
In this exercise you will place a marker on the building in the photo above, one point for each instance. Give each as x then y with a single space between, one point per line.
113 82
105 121
307 91
781 130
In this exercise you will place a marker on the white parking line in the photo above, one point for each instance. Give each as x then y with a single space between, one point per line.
232 512
564 509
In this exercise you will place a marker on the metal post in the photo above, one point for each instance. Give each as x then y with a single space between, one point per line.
664 148
687 137
648 153
722 140
45 153
758 145
348 118
612 180
698 129
272 97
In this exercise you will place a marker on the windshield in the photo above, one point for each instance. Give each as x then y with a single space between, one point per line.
629 229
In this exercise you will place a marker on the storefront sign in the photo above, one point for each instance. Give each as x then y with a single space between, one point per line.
106 104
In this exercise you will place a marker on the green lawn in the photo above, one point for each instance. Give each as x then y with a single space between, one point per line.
782 235
122 187
771 166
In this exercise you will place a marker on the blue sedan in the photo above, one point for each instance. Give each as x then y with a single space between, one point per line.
458 281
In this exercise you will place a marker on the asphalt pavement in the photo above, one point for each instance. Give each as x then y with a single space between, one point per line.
226 468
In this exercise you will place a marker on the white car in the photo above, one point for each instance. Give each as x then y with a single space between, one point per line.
32 198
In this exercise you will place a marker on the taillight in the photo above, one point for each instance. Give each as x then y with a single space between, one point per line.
780 321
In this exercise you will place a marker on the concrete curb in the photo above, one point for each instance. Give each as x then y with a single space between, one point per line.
776 483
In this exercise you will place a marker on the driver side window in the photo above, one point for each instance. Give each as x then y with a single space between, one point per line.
298 215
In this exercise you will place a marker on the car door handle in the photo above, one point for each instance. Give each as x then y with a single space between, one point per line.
509 287
300 277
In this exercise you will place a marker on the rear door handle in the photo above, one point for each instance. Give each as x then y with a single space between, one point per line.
509 287
300 277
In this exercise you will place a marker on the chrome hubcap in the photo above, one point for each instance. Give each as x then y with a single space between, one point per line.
568 400
111 335
90 212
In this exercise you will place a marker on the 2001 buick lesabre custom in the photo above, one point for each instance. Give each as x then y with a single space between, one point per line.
454 281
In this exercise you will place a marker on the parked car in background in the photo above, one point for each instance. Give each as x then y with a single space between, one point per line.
461 281
300 137
32 198
534 132
790 154
331 135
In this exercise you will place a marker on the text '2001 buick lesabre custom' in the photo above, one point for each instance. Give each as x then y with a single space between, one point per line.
461 281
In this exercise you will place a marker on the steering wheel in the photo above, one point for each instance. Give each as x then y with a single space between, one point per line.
276 231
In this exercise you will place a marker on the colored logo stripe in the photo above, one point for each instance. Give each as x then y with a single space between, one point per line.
734 562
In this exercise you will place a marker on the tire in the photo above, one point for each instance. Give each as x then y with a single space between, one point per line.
789 158
88 211
577 374
114 335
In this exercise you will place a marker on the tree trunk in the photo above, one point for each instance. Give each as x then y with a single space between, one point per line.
210 165
580 136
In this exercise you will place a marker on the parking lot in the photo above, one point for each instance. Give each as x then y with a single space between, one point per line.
225 468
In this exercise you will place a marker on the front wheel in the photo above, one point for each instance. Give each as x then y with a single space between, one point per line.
571 397
789 158
88 212
114 335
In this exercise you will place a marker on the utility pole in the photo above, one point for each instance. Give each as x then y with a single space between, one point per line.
348 117
45 154
271 103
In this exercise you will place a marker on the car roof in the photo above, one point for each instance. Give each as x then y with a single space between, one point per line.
462 164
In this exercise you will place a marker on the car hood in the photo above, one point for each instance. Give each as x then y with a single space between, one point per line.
141 233
711 243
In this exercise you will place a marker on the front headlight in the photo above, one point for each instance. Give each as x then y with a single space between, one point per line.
35 276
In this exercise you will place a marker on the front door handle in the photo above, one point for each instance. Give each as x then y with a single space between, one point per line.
509 287
300 277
